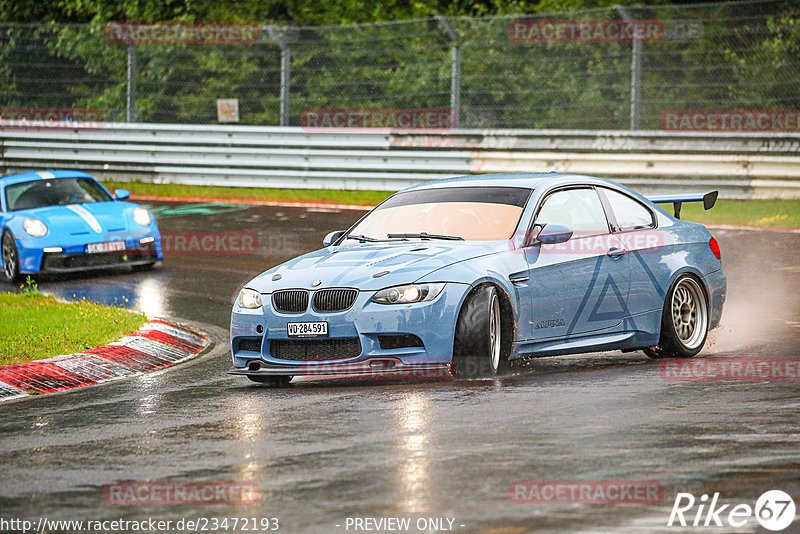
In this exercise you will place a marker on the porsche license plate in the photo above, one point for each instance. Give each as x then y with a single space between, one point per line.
316 329
111 246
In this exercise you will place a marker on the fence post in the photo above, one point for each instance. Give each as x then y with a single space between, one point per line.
636 70
286 65
455 69
130 114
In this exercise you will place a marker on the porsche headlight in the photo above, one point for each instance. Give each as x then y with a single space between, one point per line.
249 298
34 227
142 216
408 293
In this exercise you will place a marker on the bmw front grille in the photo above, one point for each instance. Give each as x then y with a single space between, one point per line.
290 300
334 300
324 300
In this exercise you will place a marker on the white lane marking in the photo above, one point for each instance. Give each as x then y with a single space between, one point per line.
84 214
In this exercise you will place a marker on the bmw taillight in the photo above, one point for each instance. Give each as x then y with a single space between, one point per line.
715 248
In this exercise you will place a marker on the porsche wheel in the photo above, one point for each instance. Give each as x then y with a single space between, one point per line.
275 381
10 258
478 348
684 322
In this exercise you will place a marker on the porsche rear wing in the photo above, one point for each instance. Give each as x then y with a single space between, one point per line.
708 200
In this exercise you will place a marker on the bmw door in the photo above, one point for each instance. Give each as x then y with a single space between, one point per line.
580 286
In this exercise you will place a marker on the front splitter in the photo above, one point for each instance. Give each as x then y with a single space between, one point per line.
383 368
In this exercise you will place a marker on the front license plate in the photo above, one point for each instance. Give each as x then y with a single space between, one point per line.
318 329
111 246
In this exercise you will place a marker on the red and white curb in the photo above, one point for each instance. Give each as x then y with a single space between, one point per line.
157 344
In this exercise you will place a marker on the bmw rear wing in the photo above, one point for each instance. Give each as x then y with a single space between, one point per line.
708 200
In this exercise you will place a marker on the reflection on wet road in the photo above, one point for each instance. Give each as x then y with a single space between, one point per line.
324 451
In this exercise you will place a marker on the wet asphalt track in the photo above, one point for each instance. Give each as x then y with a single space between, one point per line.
324 451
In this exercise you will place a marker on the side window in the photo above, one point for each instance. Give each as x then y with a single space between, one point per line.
579 210
630 213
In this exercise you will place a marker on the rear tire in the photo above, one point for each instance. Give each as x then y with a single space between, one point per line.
11 272
274 381
684 320
478 344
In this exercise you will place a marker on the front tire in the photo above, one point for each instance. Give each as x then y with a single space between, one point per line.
11 272
684 321
274 381
478 344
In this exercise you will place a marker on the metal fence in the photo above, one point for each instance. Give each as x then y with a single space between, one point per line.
739 165
575 70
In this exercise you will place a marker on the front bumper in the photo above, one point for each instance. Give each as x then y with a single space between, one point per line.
432 322
74 258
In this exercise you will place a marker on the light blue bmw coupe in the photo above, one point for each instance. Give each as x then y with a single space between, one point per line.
462 276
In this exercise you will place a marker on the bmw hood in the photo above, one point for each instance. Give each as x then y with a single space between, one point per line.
371 266
89 219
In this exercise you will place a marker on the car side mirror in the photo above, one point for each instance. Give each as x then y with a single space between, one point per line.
122 194
332 237
553 234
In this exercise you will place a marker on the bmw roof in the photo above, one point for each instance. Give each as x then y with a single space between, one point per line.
506 179
41 175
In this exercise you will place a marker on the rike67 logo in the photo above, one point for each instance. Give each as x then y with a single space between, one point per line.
774 510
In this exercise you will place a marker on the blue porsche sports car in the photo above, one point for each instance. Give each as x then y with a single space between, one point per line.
64 221
464 275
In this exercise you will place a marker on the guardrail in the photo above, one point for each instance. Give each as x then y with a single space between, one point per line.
740 165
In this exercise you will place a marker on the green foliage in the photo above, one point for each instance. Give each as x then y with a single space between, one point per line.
30 287
714 56
761 69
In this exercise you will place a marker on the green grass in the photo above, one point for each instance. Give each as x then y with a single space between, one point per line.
768 213
34 326
332 196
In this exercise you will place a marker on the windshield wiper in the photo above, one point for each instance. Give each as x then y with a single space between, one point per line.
424 235
362 238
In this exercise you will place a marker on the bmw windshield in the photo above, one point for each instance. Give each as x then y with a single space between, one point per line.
452 213
54 192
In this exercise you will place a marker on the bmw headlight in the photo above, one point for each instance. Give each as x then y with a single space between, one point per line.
34 227
408 293
249 298
142 216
